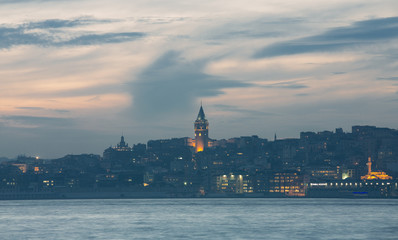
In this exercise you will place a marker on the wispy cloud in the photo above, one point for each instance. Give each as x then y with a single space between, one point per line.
236 109
17 36
288 85
23 34
250 34
65 23
388 78
92 39
96 90
35 121
302 94
45 109
22 1
359 33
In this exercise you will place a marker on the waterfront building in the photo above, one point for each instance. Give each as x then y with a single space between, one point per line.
288 183
233 183
352 188
373 184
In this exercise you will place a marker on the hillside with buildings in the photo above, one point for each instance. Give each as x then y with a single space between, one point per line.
363 162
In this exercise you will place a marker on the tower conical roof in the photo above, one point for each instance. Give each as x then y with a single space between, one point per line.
201 114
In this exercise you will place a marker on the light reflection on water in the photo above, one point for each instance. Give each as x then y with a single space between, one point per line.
200 219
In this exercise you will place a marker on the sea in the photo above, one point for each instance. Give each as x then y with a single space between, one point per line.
197 218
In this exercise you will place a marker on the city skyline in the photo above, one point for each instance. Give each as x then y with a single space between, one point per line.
75 75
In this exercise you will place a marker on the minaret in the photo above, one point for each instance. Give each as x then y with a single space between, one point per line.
369 166
201 127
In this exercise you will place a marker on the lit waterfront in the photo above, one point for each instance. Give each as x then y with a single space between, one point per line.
200 219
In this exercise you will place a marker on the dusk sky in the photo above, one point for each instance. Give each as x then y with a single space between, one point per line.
75 75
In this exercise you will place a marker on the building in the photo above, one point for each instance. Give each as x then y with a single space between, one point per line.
353 188
232 183
288 183
201 127
324 172
22 166
375 175
373 184
120 156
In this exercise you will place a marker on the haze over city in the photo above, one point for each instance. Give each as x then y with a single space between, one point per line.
75 75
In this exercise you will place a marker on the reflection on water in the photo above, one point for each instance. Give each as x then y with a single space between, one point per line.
200 219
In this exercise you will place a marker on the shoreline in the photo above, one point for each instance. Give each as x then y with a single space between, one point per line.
165 195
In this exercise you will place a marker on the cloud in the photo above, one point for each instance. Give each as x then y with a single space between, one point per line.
247 34
302 94
30 108
93 39
64 23
45 109
34 122
17 36
172 84
359 33
23 34
236 109
23 1
97 89
287 85
388 78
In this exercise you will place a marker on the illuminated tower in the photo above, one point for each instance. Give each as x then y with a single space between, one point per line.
201 127
369 163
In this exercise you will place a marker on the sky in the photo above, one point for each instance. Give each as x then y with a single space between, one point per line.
76 75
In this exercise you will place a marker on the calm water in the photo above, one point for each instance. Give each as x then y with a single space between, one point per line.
200 219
